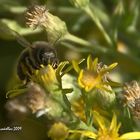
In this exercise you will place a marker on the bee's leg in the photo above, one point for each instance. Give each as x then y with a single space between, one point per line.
29 66
32 60
55 63
20 72
35 60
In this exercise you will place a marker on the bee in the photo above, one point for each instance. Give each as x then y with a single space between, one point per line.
34 56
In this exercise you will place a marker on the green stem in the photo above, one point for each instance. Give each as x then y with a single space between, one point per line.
76 39
102 50
98 24
67 10
87 108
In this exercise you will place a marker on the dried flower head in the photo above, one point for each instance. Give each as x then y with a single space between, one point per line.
131 95
16 108
39 16
36 15
35 99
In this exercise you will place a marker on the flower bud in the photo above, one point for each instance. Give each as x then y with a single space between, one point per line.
106 99
58 131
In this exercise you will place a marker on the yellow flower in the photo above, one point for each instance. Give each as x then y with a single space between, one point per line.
94 76
45 76
106 132
50 78
58 131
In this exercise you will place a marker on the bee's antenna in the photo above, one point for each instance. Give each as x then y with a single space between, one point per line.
21 40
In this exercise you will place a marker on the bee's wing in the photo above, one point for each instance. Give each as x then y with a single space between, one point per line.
21 40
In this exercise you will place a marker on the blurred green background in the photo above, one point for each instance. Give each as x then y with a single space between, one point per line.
121 20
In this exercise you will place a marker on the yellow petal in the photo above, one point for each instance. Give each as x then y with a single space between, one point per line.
79 79
85 133
99 120
113 125
94 64
131 136
88 88
89 62
50 74
110 67
76 66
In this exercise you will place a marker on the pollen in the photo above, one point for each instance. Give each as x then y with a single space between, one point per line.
88 79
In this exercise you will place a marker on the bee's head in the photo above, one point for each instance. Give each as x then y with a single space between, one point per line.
47 54
49 57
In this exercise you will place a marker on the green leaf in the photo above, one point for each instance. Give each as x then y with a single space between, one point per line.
76 66
67 90
15 92
89 62
109 68
94 64
66 70
60 68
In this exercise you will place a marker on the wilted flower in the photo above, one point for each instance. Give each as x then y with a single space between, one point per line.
58 131
93 76
131 95
106 132
80 3
35 98
36 15
40 16
16 108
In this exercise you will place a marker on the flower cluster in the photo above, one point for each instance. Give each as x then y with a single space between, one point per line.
88 109
91 124
107 131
